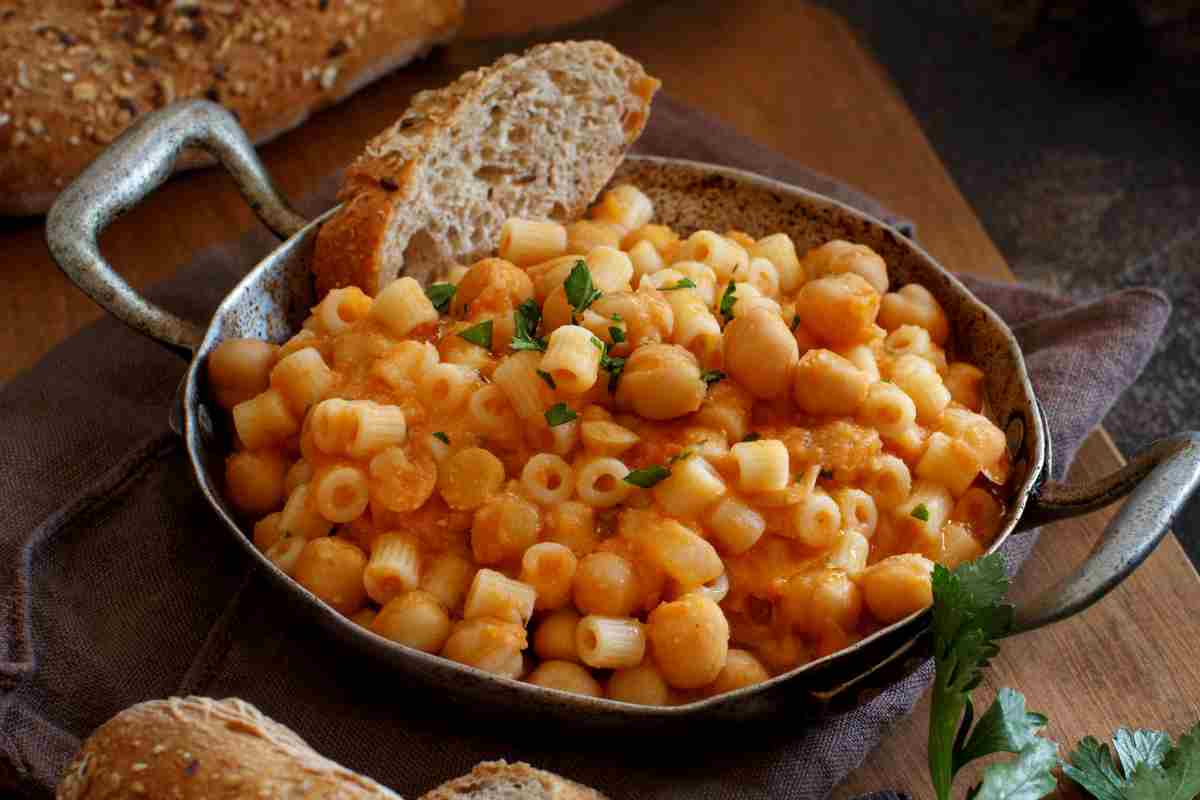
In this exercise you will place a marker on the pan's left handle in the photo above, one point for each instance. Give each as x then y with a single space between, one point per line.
131 168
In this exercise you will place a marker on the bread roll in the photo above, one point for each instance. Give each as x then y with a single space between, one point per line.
534 136
76 74
499 780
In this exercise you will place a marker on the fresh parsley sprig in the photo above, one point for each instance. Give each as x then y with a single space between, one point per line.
580 290
440 294
526 319
1151 768
682 283
480 334
728 298
646 477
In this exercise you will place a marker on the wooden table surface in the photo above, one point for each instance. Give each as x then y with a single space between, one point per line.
794 78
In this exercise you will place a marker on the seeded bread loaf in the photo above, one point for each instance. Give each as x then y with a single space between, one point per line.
195 747
535 136
74 74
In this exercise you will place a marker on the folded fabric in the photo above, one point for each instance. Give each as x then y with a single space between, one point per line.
119 584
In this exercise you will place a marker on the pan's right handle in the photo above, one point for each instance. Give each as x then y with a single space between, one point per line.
123 175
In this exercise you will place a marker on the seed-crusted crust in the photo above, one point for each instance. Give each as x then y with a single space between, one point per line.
75 74
196 747
497 780
390 196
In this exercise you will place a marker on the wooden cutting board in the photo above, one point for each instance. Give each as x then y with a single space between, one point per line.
795 78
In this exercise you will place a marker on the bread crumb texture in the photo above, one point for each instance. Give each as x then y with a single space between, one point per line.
75 74
499 780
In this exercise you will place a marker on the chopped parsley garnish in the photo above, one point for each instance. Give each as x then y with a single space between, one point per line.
613 365
617 318
440 294
682 283
599 345
581 292
685 453
441 435
711 376
648 476
795 321
752 436
728 298
547 377
525 324
480 334
921 512
618 335
559 414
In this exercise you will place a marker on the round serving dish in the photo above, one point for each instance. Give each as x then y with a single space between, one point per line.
275 296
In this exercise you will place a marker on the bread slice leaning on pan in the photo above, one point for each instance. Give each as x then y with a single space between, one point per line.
535 136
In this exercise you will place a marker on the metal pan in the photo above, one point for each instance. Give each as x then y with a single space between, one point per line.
272 300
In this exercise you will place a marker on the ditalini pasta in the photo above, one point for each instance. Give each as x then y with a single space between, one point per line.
618 461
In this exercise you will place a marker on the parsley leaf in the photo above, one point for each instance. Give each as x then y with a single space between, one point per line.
1138 747
682 283
547 377
480 334
711 376
440 294
613 365
1006 727
1029 776
967 617
648 476
1091 766
525 324
752 436
728 298
617 318
795 321
921 512
1177 778
559 414
441 435
617 335
685 453
581 292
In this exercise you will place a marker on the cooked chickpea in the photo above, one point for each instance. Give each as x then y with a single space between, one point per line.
332 569
469 477
642 684
913 304
897 586
573 524
839 309
661 381
826 383
238 369
550 569
606 584
492 284
760 353
690 640
741 669
254 481
812 601
566 676
555 635
647 316
504 527
415 619
838 257
491 645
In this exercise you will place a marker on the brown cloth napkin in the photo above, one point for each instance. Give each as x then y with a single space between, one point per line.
117 583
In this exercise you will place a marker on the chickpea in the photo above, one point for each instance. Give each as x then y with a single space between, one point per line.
239 369
492 284
727 408
555 636
491 645
838 257
642 684
813 601
255 481
690 641
415 619
839 309
557 312
332 569
648 317
913 304
661 381
741 669
826 383
606 584
565 676
469 477
504 527
550 569
897 586
760 353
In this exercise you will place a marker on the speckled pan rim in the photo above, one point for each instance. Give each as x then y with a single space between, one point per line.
346 629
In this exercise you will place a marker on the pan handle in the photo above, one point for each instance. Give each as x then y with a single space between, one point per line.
134 165
1159 481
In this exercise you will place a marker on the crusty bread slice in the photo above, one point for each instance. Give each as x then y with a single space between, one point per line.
499 780
196 747
536 136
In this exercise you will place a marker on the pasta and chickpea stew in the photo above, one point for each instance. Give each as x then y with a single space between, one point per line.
618 462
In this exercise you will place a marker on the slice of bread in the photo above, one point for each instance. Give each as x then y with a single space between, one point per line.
535 136
499 780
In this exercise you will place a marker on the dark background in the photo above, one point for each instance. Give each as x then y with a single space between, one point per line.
1075 135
